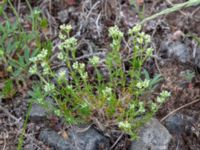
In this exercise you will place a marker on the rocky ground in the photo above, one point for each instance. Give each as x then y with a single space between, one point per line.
177 124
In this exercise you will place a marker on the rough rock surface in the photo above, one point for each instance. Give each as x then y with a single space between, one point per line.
177 49
179 124
153 136
51 138
37 113
79 139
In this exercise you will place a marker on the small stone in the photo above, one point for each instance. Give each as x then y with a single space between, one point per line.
63 15
37 113
179 123
153 136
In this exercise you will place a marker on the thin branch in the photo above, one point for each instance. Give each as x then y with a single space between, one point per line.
184 106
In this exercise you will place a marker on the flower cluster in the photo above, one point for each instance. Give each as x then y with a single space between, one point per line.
41 57
115 33
80 67
141 37
94 60
141 107
107 92
33 69
125 125
163 96
66 28
149 52
62 75
143 84
49 87
117 36
135 29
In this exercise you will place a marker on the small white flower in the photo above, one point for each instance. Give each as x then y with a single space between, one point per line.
33 69
143 84
84 75
66 28
147 38
165 94
40 100
132 106
154 106
36 12
140 40
33 59
107 91
60 56
124 125
48 87
149 51
160 99
75 65
82 66
70 43
62 75
135 29
146 83
42 55
62 36
94 60
115 33
141 107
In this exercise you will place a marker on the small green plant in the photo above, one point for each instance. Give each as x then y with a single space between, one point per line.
139 8
78 98
188 75
16 45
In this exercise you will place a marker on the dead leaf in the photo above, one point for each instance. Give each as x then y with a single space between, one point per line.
64 135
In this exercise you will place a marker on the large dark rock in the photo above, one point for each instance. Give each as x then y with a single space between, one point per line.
79 139
179 124
51 138
177 49
153 136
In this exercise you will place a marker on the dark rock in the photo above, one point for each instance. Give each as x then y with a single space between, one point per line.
179 124
63 15
54 140
90 139
79 139
153 136
177 49
37 113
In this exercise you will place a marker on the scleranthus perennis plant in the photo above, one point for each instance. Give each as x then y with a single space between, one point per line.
117 98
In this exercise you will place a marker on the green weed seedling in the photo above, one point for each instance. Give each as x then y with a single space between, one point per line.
78 100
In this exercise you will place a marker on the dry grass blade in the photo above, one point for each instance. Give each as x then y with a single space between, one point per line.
176 7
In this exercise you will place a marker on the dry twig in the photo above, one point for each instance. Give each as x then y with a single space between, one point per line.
184 106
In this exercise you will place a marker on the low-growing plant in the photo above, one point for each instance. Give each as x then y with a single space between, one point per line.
80 95
17 45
